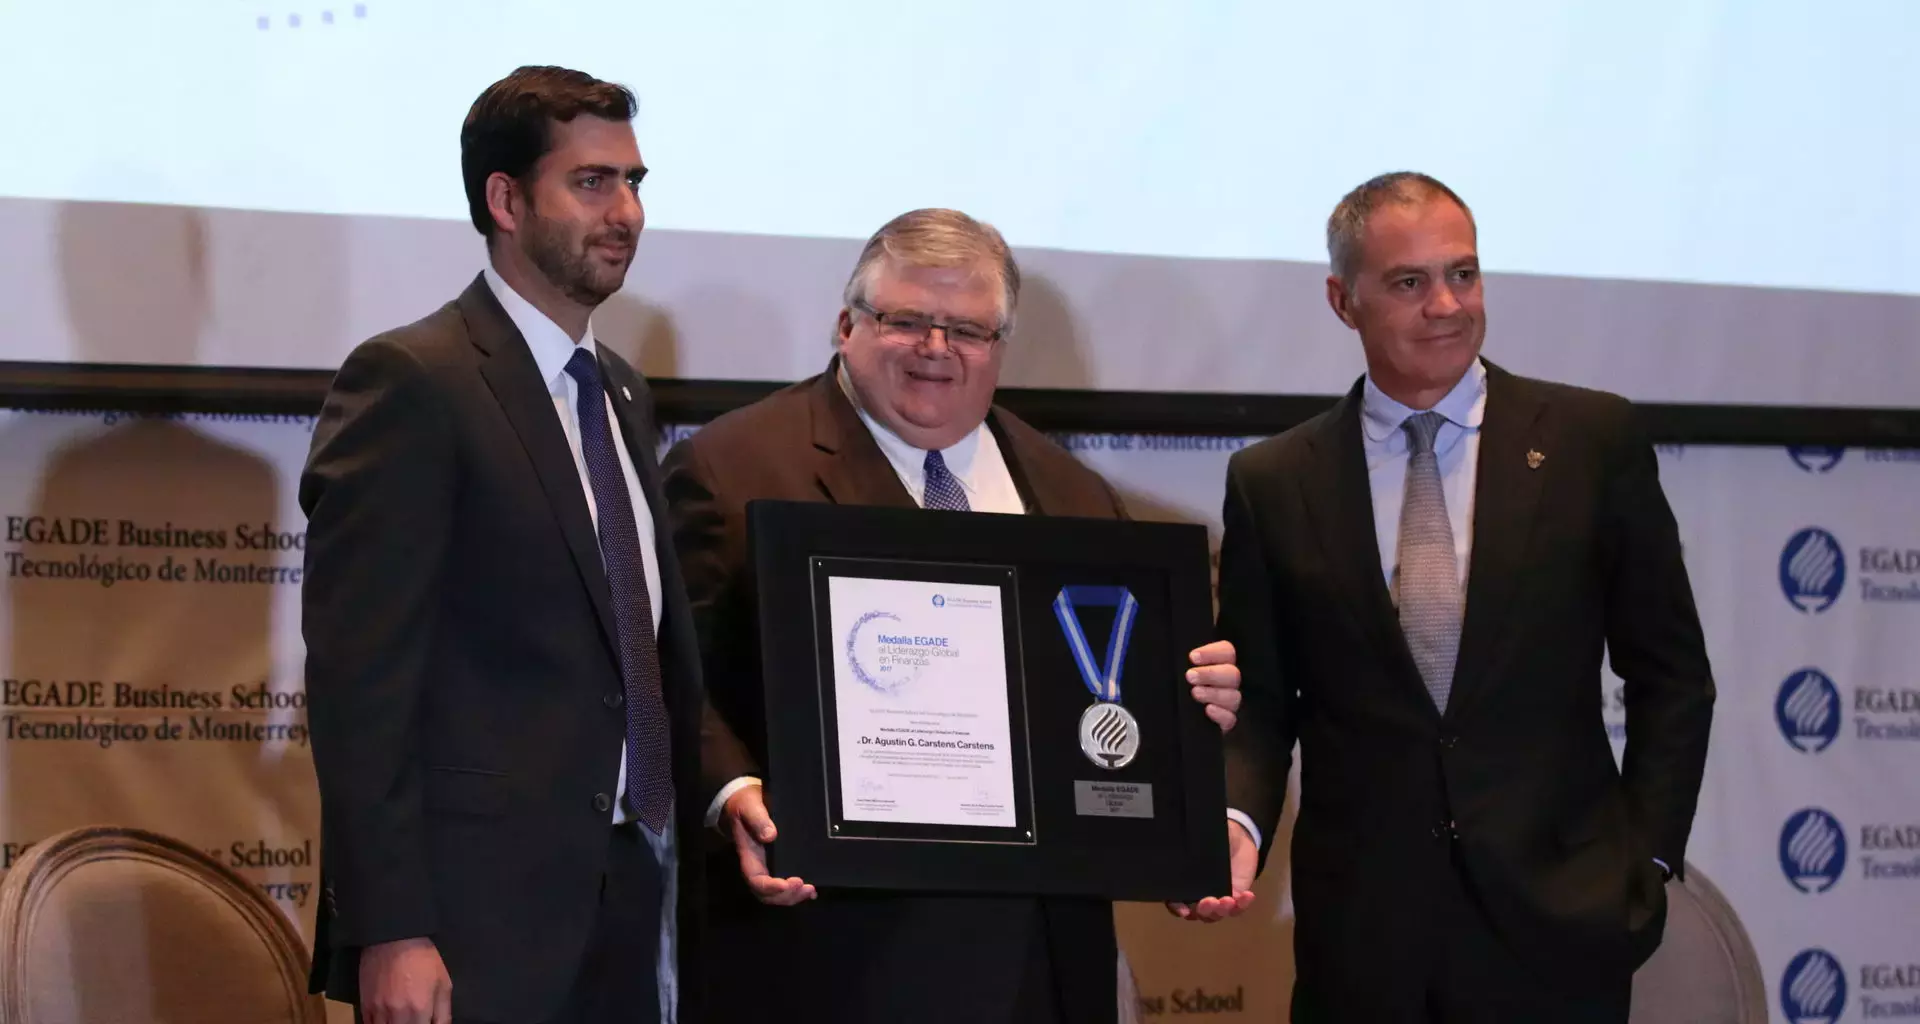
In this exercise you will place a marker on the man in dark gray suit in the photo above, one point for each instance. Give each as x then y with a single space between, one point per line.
504 682
1421 584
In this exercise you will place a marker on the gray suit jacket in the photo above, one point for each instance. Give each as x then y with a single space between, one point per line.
461 669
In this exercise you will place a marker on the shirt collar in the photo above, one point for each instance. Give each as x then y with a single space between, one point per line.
1465 406
550 345
960 457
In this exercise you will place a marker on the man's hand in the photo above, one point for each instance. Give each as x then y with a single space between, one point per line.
405 982
745 818
1215 680
1243 858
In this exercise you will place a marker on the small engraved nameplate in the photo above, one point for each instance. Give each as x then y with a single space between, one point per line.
1113 799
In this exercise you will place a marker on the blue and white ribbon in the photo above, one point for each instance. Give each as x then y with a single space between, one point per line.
1103 679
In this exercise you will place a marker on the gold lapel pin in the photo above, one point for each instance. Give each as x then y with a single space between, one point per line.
624 393
1535 458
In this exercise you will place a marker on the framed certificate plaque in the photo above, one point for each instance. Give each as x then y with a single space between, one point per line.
968 702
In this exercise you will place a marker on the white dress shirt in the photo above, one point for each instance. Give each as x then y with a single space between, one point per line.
551 348
1384 444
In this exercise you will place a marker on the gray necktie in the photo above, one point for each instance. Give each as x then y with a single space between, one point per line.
1428 589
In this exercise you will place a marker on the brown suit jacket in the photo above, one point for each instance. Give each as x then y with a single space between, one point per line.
859 955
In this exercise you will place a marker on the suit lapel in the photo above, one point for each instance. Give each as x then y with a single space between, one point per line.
1339 500
627 395
852 469
1041 493
1506 494
514 379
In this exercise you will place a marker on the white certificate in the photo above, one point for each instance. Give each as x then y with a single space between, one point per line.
920 694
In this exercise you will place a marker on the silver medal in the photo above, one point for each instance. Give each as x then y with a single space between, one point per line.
1109 736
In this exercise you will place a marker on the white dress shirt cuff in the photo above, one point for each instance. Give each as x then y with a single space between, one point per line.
1247 823
1664 869
726 793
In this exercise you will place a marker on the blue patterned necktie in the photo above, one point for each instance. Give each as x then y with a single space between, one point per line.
1431 602
943 490
649 769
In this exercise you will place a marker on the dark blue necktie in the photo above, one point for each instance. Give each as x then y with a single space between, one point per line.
649 769
943 489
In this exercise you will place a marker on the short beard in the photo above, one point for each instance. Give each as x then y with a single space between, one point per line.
563 265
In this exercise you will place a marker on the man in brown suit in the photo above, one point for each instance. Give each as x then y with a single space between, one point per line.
902 416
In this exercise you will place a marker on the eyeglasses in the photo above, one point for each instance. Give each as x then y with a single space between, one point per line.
914 328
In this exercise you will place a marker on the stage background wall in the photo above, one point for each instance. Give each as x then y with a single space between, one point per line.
1703 202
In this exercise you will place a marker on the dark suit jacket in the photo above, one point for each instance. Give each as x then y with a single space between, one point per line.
461 674
1572 559
857 955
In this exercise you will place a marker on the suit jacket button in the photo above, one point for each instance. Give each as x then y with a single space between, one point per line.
614 699
1448 742
602 802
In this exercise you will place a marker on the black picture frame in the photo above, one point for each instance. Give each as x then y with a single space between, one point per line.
1176 850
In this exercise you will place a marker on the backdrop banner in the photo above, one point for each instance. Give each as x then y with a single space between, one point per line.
151 621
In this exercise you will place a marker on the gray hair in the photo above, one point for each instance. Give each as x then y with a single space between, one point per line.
1349 220
937 238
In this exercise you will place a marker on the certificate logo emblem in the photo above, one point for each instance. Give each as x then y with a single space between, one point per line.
868 655
1109 734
